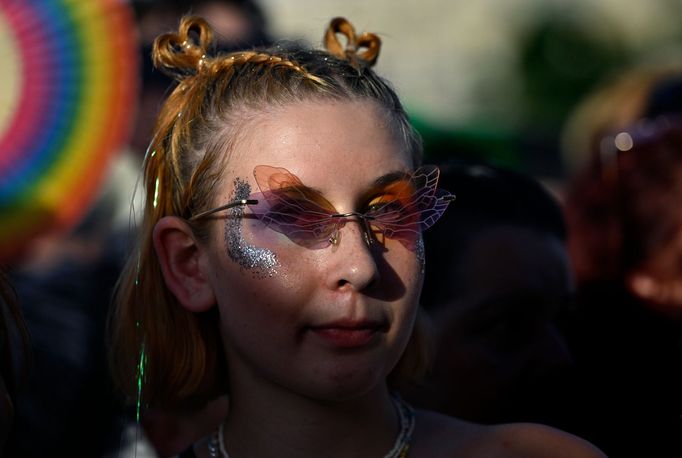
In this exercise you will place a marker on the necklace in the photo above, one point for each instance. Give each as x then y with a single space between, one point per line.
400 449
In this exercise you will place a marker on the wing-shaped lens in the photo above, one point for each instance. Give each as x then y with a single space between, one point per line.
287 206
410 206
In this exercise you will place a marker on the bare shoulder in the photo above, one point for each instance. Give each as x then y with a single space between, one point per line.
534 440
438 435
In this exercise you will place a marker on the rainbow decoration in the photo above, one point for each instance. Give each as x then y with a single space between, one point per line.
67 100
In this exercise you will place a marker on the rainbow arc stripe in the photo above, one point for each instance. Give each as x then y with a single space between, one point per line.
77 70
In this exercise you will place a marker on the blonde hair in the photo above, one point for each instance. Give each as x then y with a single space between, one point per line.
197 124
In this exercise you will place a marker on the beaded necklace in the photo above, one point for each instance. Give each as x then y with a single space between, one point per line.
400 449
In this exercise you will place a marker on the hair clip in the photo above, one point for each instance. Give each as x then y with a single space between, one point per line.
369 42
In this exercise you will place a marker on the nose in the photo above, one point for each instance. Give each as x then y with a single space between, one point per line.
351 260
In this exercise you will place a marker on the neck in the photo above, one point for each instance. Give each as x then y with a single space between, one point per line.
277 422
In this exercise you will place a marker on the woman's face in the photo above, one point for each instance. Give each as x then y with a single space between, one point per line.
327 321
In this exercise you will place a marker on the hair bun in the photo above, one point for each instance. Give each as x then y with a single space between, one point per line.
182 54
362 49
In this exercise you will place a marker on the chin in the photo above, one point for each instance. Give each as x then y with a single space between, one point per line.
346 383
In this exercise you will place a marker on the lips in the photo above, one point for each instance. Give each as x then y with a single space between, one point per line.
348 333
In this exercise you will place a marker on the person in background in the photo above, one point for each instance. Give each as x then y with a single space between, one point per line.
14 357
618 103
497 279
63 286
625 240
64 282
238 24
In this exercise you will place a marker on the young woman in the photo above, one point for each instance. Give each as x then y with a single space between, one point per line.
625 241
281 259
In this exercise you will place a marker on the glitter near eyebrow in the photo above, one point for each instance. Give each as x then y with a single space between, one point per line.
421 255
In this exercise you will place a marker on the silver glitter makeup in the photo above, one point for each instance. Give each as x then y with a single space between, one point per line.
421 254
260 261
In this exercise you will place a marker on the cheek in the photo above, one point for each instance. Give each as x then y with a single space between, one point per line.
261 318
408 264
264 266
420 254
260 261
403 273
252 306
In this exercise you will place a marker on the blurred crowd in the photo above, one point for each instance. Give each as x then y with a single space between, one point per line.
561 306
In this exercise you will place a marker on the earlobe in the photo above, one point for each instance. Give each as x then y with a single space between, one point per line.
181 264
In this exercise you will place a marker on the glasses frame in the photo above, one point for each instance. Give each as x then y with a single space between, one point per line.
334 237
234 203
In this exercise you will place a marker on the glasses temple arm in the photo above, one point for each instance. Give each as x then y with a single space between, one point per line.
223 207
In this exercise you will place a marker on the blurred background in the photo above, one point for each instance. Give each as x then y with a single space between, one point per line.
498 78
491 79
578 333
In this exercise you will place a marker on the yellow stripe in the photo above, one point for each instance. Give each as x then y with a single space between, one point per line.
10 89
85 147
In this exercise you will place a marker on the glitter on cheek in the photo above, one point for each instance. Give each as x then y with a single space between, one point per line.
260 261
421 254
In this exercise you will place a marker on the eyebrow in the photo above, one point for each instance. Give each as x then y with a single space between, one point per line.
390 178
378 183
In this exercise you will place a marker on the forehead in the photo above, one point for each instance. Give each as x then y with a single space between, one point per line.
326 144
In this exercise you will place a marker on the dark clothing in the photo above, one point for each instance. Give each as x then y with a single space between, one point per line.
629 363
67 407
189 453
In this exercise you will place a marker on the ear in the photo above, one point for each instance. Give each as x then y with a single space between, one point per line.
182 264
